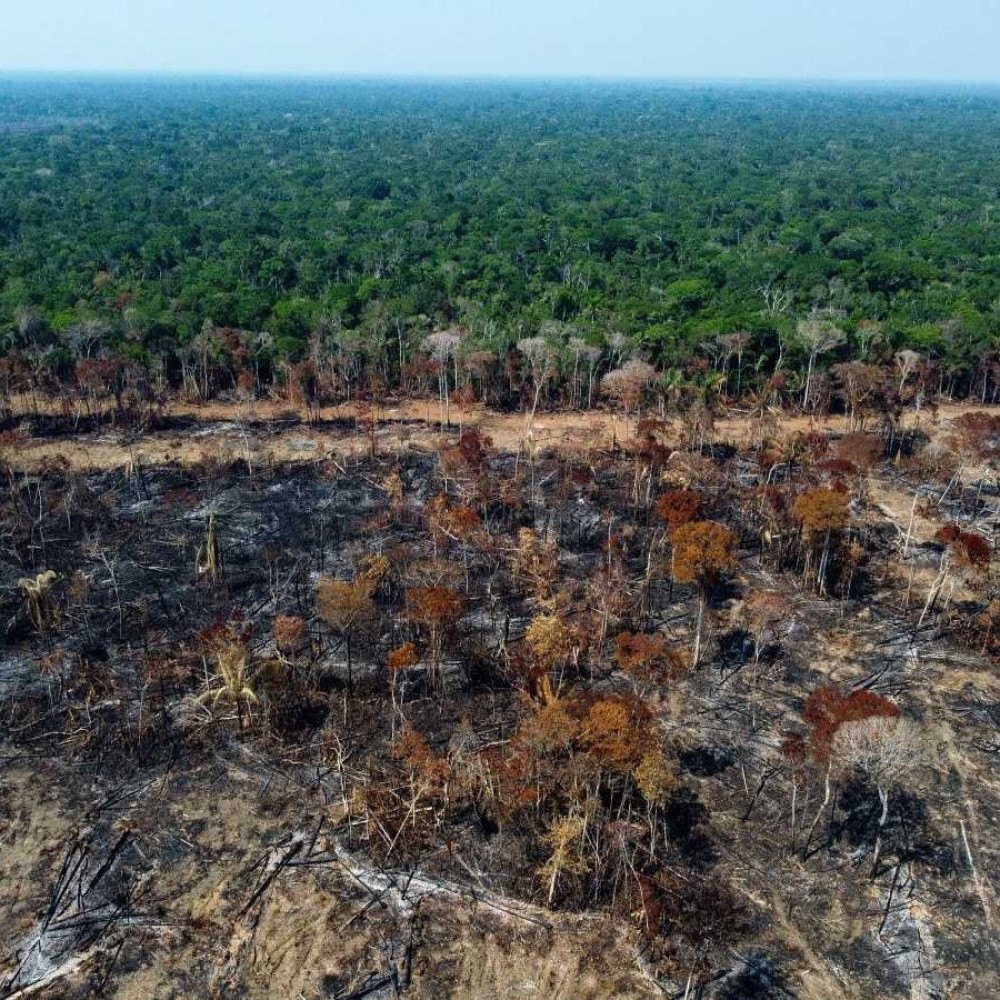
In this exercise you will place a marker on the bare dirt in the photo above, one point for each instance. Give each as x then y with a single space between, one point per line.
276 431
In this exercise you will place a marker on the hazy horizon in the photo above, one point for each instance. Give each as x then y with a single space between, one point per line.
692 82
718 41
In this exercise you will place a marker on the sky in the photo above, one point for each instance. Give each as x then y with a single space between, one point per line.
909 40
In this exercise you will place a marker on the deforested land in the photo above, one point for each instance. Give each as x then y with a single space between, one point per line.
498 540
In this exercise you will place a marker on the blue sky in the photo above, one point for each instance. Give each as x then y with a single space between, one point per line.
953 40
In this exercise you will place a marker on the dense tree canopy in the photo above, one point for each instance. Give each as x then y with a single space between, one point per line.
651 218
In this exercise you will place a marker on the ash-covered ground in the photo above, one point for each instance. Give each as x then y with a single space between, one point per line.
451 775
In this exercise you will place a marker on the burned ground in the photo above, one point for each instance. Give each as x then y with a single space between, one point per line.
463 774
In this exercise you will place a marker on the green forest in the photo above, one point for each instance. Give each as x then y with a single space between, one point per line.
175 224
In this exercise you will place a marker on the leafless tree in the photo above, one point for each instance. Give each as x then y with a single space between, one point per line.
907 362
776 299
442 346
883 748
818 335
589 354
541 358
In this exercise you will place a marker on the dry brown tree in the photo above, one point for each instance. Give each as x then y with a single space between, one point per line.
400 659
858 385
823 513
454 524
677 507
534 563
974 437
289 633
646 660
702 552
763 613
674 508
907 362
556 645
541 357
965 554
565 840
345 605
404 805
434 610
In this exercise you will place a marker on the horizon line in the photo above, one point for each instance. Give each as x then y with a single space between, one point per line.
490 77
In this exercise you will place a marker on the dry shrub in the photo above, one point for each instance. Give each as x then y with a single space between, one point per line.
821 510
289 632
678 507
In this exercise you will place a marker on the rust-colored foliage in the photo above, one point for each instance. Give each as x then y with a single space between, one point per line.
828 708
224 631
648 449
794 748
345 605
860 450
475 448
703 550
967 545
434 607
455 521
342 604
404 808
553 728
678 507
288 631
402 657
821 510
636 652
647 659
839 467
616 733
976 434
412 750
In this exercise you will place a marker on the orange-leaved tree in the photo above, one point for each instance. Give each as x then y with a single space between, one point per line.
646 659
823 513
434 610
678 507
555 644
399 659
702 552
345 605
289 633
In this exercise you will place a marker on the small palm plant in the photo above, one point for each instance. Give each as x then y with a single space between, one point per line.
208 560
36 591
232 680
